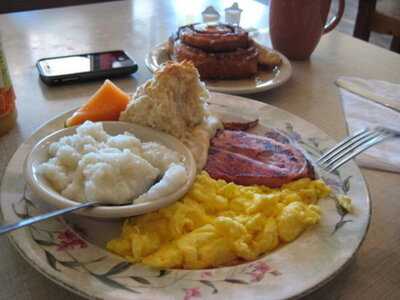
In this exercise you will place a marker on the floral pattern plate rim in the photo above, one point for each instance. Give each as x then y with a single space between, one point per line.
263 81
67 252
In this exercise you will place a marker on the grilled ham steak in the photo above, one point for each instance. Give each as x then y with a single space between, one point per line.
249 159
240 126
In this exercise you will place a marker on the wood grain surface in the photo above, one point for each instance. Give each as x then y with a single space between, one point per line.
136 26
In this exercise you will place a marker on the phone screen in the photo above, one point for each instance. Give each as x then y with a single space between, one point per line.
93 62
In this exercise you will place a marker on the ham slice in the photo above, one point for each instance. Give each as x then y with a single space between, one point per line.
240 126
249 159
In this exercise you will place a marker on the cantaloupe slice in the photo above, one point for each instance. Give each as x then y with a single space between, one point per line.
105 105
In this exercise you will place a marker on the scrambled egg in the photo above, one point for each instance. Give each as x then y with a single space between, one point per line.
219 223
345 202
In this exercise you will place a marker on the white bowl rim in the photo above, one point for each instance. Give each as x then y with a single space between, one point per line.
57 200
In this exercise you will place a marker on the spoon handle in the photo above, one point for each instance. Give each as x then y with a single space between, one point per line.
55 213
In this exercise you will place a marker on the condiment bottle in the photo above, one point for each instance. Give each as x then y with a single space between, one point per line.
232 14
8 113
210 15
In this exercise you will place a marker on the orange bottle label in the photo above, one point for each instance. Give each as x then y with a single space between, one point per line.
7 98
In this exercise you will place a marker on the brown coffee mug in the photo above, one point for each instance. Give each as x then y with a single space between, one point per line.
296 26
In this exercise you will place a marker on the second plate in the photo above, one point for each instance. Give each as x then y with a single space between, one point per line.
263 81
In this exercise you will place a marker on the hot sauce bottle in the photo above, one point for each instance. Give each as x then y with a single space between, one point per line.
8 113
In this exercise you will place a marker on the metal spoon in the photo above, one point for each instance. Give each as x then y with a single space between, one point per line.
55 213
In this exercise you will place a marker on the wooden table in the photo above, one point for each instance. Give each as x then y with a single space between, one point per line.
136 26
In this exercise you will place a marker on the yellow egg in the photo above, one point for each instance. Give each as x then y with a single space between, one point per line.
345 202
168 256
294 219
267 239
218 224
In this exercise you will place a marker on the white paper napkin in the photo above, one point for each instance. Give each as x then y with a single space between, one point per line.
358 96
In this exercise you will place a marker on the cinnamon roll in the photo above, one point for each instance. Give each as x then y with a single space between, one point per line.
218 38
218 51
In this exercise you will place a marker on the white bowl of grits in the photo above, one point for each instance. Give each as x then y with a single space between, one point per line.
130 168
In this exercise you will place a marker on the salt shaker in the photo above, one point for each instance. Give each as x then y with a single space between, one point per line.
232 14
210 15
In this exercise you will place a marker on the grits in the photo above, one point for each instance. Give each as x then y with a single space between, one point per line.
94 166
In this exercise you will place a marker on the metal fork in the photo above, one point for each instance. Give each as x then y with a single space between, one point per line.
354 145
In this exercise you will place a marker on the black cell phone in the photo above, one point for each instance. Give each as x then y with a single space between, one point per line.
82 67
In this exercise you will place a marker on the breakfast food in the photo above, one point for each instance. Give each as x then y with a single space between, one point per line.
240 125
220 51
266 57
219 38
345 203
248 159
174 101
105 105
220 224
94 166
241 63
254 194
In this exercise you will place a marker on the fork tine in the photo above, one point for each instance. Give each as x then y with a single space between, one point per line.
339 162
349 149
353 141
349 138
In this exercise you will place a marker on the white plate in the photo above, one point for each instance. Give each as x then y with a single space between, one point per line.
45 191
71 253
263 81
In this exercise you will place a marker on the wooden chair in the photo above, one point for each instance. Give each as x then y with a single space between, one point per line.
379 16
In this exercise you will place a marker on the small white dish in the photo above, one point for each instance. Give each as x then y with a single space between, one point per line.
263 81
44 190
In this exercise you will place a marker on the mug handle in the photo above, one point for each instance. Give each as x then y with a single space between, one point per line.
336 19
